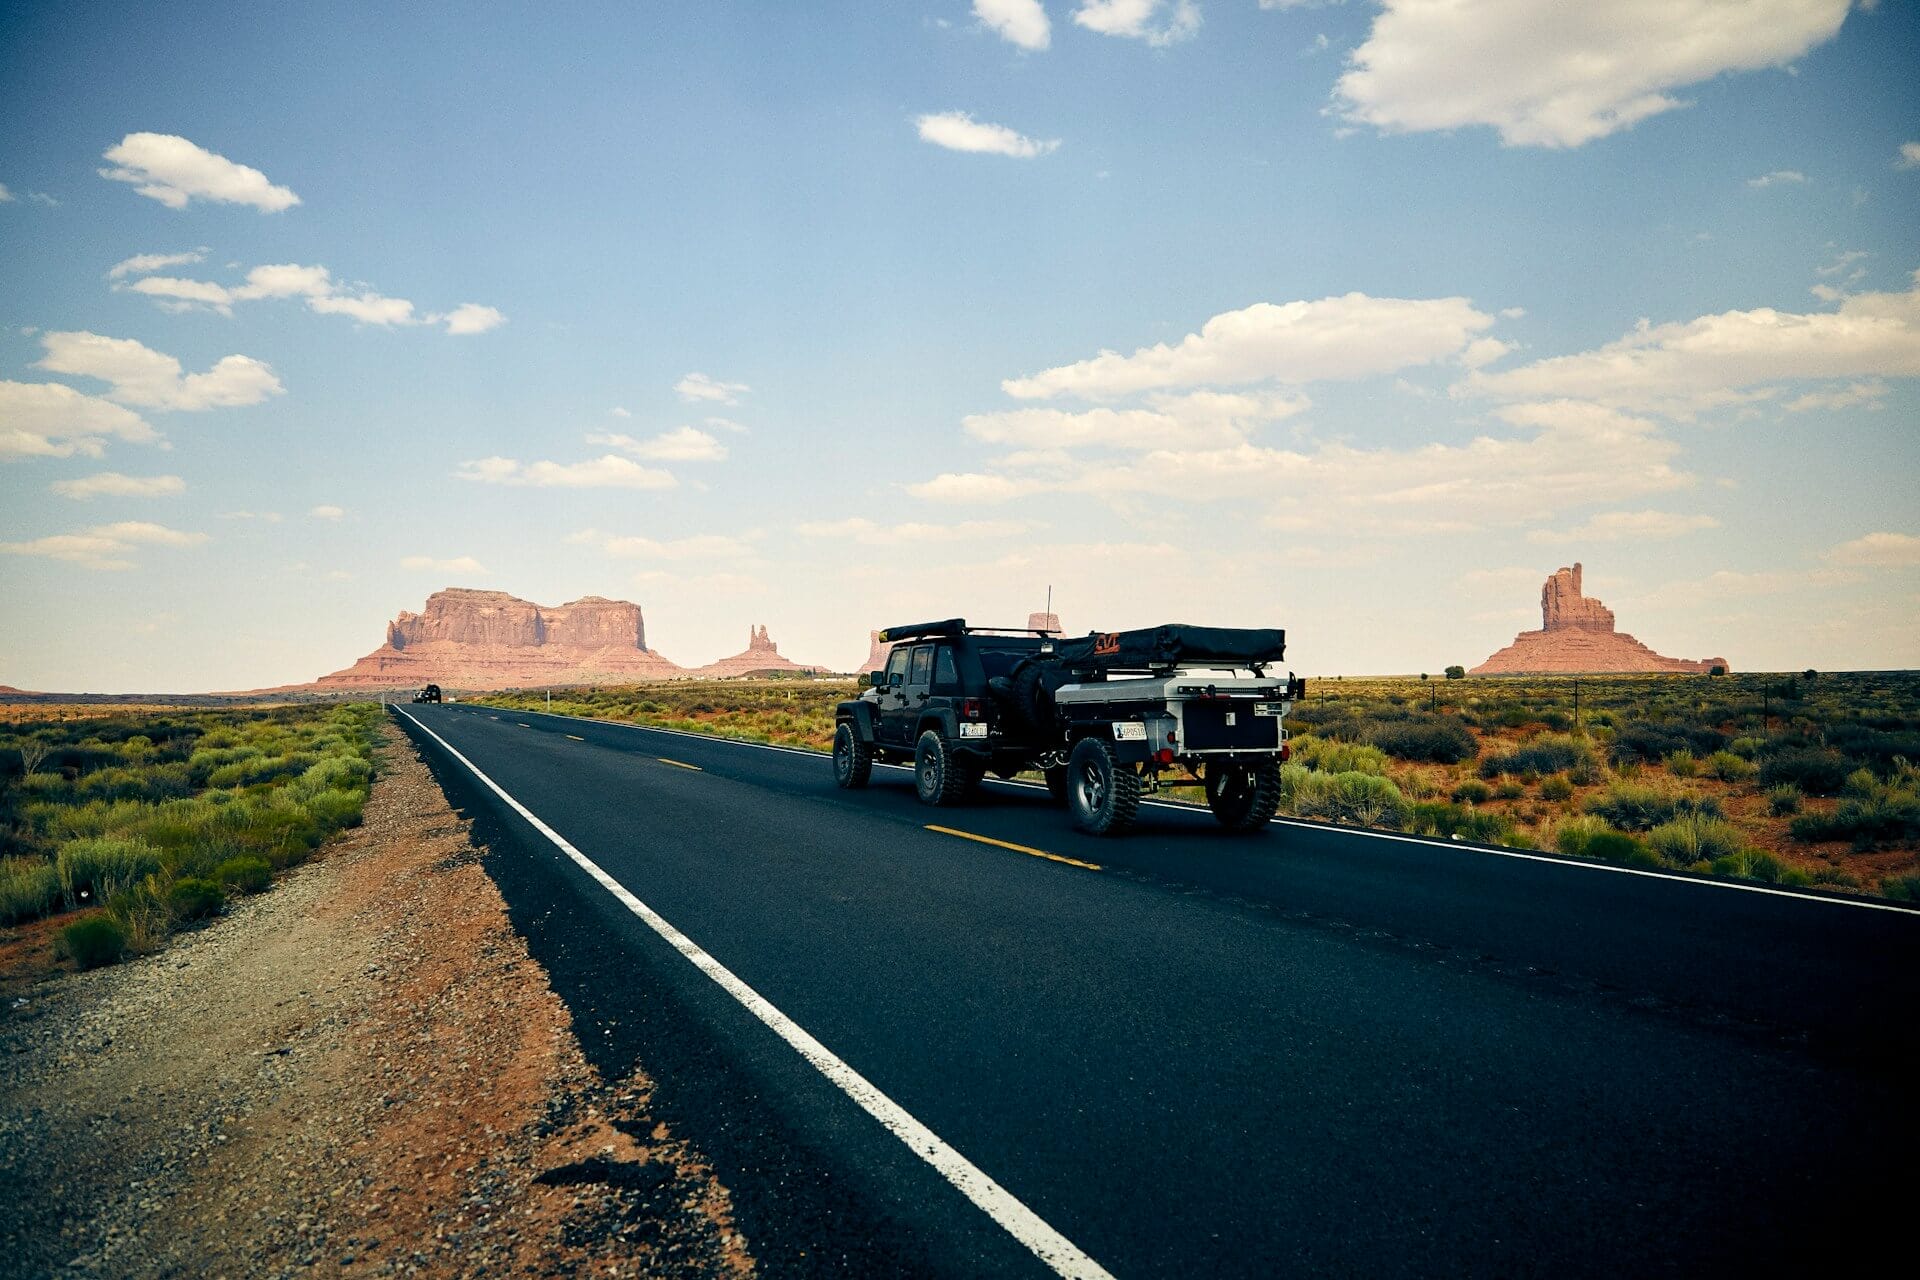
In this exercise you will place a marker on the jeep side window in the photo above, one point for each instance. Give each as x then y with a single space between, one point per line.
897 667
922 664
945 676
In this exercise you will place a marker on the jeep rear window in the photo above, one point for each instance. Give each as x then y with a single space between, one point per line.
922 664
943 670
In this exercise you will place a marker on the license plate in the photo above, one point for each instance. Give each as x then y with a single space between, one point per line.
1129 731
1269 708
973 730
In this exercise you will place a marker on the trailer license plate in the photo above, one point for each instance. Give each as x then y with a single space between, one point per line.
1269 708
1129 731
973 730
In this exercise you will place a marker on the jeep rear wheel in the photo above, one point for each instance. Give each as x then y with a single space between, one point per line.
938 777
852 758
1102 794
1244 797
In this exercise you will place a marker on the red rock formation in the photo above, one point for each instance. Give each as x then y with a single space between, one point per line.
1576 636
1044 622
491 640
760 657
876 654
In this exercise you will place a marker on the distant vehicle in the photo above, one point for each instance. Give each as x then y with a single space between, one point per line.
1105 718
429 694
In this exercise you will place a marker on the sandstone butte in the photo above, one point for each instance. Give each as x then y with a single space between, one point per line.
490 640
1576 636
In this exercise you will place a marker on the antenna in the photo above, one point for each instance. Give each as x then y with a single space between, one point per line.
1049 597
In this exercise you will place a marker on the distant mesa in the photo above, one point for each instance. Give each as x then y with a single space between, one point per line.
1576 636
761 657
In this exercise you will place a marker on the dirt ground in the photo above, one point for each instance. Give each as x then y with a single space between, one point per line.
359 1072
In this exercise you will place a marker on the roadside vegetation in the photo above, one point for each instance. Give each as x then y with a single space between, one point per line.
130 826
1808 779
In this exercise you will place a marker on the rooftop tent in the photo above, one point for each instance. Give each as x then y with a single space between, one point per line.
1174 643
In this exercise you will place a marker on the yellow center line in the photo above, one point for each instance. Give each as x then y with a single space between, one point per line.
1017 848
680 764
576 737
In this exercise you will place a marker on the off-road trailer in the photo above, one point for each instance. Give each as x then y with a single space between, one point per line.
1105 718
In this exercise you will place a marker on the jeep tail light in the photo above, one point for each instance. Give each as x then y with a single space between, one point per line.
1164 755
970 708
1286 750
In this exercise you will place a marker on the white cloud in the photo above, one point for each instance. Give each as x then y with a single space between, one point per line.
697 547
1909 157
50 420
367 308
113 484
1140 19
471 317
174 171
973 487
1625 526
1854 395
1484 351
682 444
699 387
327 511
1341 338
457 564
6 196
608 472
144 377
1879 550
202 292
266 517
286 280
41 197
1021 22
1199 420
1561 75
142 263
871 534
1730 358
959 131
1778 178
104 547
620 411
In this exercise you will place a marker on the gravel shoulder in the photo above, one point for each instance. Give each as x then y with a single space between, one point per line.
360 1072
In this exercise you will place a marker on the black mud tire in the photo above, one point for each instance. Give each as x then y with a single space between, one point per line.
1028 698
852 758
1057 784
1103 795
939 777
1244 797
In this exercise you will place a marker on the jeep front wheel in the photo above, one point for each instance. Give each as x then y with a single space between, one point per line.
852 758
1102 794
937 776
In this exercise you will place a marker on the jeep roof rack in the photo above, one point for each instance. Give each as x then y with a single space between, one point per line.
954 627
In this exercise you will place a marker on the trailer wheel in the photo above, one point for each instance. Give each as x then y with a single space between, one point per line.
1244 797
939 778
1102 794
852 758
1057 784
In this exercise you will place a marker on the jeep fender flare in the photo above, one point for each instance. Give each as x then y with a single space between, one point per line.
860 716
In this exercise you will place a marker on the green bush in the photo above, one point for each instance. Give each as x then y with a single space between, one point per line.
1728 767
1757 864
1783 800
1902 888
245 874
1328 756
1472 791
29 889
1817 771
95 941
1437 741
192 898
1682 764
1556 788
1591 837
1548 753
1633 807
1690 839
1363 799
1509 789
1886 817
1464 821
93 869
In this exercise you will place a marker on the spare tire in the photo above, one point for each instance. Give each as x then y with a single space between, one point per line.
1031 701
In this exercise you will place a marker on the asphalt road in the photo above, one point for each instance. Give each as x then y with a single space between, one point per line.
1311 1050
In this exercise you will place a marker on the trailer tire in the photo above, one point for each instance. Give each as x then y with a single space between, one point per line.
1244 797
938 777
852 758
1102 794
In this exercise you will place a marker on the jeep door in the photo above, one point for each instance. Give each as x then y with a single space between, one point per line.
892 723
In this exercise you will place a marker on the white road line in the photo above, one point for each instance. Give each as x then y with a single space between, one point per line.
1451 846
1020 1222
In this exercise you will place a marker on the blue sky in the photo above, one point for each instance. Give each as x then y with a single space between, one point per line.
796 315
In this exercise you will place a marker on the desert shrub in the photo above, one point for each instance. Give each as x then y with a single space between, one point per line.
1817 771
1591 837
159 782
1783 800
1902 888
1878 749
1338 757
1654 740
1878 814
1632 807
245 874
95 941
29 889
1682 764
1464 821
1548 753
193 898
1690 839
1729 767
143 912
1758 864
259 769
1472 791
1456 672
1438 741
1364 799
1556 788
1509 789
1836 877
93 869
333 810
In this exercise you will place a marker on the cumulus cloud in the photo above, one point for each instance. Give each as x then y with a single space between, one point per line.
471 317
1729 358
141 264
1020 22
104 547
1348 337
6 196
959 131
142 376
1158 22
1562 75
1855 395
609 472
114 485
51 420
1201 420
696 387
1879 551
327 511
1778 178
367 308
1625 526
174 171
455 564
313 284
868 533
682 444
1909 156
